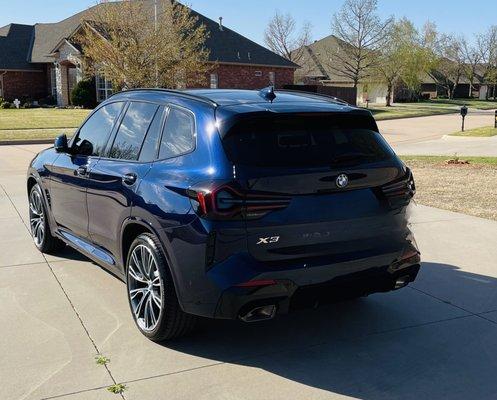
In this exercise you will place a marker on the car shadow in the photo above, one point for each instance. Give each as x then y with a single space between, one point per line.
404 344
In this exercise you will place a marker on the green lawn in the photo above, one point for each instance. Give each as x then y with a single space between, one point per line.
473 103
35 118
485 131
39 123
28 134
426 108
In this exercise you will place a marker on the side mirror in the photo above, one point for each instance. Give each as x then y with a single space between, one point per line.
60 144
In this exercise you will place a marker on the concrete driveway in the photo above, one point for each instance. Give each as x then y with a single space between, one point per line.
435 339
420 129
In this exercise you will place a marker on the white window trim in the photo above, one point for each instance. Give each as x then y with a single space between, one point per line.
214 82
103 93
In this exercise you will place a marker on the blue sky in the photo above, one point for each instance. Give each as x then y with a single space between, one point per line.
249 17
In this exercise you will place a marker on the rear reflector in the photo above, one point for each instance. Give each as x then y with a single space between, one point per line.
257 283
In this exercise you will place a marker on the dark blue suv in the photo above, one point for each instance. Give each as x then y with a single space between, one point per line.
228 203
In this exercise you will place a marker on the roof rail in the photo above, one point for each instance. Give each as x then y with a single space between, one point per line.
181 93
331 99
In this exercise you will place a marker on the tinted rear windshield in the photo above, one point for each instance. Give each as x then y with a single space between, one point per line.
306 141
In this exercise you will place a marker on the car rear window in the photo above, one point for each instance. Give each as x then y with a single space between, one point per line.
305 141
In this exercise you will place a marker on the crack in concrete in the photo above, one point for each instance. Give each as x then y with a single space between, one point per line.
65 294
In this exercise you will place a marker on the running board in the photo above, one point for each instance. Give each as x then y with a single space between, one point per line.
87 248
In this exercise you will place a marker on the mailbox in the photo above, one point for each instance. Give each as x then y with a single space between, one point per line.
464 111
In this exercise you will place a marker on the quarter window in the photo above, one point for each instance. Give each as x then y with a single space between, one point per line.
179 134
132 131
93 135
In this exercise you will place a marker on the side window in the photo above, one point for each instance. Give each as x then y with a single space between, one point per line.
151 144
93 135
132 131
179 134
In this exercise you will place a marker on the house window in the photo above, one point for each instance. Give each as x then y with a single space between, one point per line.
214 81
104 88
272 78
258 73
53 81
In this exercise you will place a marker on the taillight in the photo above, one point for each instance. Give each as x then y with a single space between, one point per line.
228 202
400 192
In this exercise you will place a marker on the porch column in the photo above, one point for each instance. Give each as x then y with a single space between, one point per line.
61 80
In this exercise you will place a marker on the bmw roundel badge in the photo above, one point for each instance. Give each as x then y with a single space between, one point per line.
342 181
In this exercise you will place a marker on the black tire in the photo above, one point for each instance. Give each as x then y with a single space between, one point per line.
38 222
172 322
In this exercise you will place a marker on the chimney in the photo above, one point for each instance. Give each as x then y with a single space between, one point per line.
220 23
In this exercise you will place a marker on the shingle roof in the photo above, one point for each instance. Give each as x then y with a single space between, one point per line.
37 42
15 44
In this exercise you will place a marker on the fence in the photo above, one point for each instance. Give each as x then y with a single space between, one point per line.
348 94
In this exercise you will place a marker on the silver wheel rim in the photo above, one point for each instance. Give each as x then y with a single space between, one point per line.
36 217
145 287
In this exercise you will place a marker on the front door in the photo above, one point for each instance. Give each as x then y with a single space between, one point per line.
113 182
69 173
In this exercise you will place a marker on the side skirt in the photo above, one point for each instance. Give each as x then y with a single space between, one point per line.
98 255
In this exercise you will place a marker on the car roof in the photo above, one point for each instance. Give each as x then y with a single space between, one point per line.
235 101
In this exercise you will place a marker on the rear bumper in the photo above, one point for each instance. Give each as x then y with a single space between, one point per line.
288 296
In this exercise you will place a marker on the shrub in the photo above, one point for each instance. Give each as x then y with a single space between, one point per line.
83 94
6 105
26 105
48 101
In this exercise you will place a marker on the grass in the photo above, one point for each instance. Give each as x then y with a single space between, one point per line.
31 134
467 188
39 123
41 118
485 131
473 103
427 108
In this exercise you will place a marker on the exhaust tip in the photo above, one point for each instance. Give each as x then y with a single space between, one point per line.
402 281
259 313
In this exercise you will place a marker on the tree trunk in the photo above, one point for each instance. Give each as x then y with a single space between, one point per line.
389 94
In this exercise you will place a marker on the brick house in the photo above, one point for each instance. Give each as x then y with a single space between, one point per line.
40 60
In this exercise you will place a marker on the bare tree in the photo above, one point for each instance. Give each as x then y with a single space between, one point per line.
125 43
361 34
282 37
451 65
472 59
487 44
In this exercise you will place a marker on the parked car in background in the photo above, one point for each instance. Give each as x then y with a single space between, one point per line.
227 203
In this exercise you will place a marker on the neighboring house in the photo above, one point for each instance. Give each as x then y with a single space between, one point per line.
317 61
40 60
316 68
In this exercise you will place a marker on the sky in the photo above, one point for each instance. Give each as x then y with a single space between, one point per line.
250 17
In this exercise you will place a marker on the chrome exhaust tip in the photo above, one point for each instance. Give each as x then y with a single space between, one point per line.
259 313
402 281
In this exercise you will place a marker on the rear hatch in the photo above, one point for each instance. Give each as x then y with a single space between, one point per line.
318 187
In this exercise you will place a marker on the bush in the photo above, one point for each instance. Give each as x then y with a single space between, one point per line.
48 101
83 94
6 105
26 105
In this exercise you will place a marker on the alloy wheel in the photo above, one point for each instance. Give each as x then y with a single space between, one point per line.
145 287
36 217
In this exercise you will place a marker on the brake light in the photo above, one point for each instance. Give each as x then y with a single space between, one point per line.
400 192
227 202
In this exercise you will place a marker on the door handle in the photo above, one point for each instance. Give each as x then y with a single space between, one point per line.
129 179
82 171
